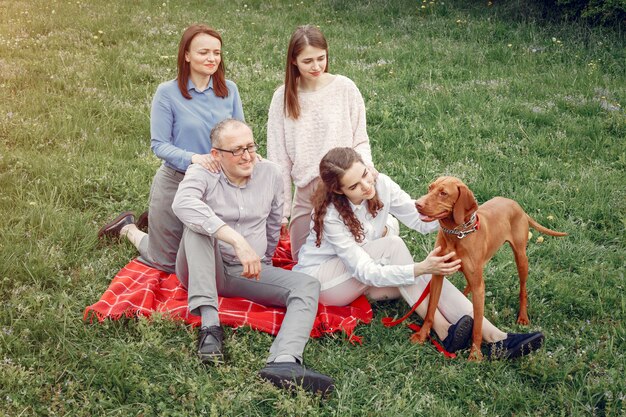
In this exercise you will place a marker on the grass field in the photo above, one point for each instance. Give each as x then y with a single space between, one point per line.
514 106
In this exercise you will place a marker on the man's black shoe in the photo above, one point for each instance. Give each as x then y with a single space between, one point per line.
459 334
210 345
112 229
515 345
291 374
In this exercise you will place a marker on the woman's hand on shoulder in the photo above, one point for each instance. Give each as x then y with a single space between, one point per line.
207 162
437 265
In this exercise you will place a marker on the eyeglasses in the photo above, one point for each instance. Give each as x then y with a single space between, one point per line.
239 151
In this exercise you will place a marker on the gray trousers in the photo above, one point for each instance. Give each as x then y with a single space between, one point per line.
158 249
200 269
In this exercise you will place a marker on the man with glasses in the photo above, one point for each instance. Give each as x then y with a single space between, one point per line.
232 223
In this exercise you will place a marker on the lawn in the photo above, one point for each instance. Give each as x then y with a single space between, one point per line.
513 105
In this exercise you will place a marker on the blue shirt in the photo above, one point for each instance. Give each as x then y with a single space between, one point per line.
180 127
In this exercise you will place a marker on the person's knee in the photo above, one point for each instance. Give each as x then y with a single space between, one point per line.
199 241
395 251
395 244
307 286
394 241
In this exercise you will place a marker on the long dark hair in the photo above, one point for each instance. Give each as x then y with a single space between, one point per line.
219 78
332 169
300 39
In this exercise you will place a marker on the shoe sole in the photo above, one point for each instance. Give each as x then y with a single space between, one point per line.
106 229
322 385
530 345
464 328
211 358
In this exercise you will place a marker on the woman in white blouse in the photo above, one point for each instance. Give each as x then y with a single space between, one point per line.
351 252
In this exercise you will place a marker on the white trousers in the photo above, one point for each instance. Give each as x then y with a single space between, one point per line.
452 303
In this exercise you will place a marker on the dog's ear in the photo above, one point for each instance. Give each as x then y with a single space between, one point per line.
466 203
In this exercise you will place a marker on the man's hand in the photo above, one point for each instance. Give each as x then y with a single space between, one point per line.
250 261
207 162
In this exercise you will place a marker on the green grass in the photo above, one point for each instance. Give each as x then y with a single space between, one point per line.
512 105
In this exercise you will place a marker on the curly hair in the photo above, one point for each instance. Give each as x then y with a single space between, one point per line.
332 169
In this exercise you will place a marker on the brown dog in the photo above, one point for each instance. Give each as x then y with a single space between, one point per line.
475 234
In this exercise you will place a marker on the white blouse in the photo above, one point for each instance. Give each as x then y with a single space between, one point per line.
338 241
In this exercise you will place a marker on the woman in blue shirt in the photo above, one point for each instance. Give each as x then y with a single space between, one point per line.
184 111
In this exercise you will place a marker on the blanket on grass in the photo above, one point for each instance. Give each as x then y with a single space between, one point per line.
139 290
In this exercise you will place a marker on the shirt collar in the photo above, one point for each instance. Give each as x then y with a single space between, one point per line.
225 179
191 86
357 207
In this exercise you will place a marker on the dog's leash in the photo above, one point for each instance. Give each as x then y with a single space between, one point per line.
390 322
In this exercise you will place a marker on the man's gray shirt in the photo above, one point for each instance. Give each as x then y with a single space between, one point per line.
206 201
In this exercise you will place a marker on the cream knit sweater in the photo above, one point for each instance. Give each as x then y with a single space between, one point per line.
329 117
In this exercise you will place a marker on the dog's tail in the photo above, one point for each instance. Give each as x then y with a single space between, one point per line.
542 229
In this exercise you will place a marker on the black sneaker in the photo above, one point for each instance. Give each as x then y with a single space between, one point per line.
459 335
210 345
515 345
289 375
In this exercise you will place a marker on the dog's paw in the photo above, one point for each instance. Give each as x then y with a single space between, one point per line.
419 337
523 320
475 355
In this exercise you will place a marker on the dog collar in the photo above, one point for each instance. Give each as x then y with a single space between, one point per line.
465 229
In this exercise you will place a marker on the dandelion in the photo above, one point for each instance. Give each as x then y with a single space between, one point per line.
550 217
539 239
530 235
100 32
95 36
509 45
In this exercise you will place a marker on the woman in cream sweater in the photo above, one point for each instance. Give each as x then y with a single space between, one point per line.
313 112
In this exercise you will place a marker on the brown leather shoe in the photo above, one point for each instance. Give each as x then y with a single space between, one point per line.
142 222
113 228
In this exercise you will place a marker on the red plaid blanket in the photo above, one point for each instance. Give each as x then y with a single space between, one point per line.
139 290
